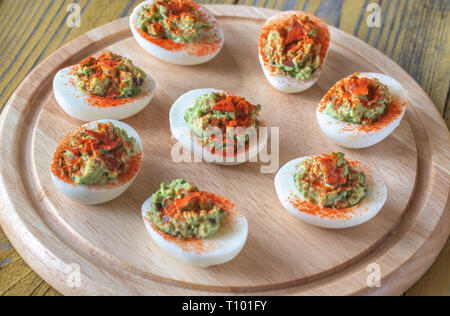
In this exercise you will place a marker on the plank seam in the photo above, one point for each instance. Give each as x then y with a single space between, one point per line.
128 8
14 37
31 51
7 32
38 59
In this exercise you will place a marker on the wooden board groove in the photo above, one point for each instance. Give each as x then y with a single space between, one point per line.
119 277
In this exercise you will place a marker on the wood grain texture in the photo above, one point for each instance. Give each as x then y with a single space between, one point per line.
16 277
24 43
394 239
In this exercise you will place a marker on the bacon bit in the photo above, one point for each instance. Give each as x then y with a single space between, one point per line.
358 86
333 175
295 34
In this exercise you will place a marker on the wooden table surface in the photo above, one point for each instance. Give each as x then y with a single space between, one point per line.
414 33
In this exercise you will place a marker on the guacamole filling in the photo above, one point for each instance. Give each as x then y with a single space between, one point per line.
228 114
177 20
109 76
182 211
293 48
97 156
358 100
330 181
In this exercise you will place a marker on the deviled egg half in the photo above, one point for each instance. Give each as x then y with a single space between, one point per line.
362 109
107 87
180 32
218 127
330 190
196 227
293 46
97 162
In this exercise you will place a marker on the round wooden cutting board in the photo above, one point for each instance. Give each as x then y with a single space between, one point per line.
109 243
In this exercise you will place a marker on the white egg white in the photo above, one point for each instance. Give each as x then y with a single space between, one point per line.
282 82
183 134
288 84
75 102
92 194
358 214
351 135
222 247
181 56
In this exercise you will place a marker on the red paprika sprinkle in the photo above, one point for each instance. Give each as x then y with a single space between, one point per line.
355 90
102 144
194 244
244 112
396 108
109 68
292 30
155 27
207 46
224 105
195 198
332 177
319 211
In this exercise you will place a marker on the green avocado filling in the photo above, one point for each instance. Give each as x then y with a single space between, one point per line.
97 156
109 76
223 113
358 100
330 181
181 211
293 48
177 20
